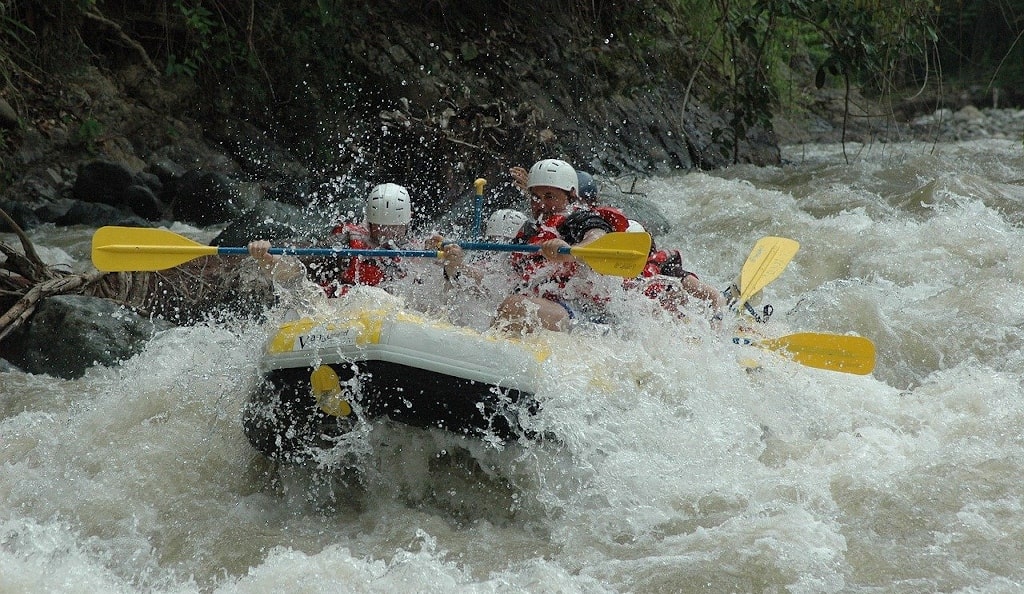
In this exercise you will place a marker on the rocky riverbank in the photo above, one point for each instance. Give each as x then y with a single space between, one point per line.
95 328
109 141
827 121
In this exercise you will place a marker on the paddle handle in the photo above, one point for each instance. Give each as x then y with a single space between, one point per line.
478 207
139 249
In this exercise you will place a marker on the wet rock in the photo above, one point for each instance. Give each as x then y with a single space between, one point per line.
50 212
114 184
104 182
97 215
22 214
209 198
40 187
968 123
143 202
166 170
68 334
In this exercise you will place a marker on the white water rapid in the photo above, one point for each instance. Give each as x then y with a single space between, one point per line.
677 471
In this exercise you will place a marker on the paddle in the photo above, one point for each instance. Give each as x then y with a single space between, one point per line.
478 208
765 263
834 352
122 249
327 390
618 254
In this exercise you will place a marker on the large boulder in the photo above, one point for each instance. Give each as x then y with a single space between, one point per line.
68 334
211 198
275 221
114 184
95 214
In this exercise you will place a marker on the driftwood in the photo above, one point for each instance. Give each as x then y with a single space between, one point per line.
195 291
26 279
24 307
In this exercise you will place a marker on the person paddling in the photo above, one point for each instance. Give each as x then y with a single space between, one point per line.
665 280
554 291
503 226
474 288
388 212
586 192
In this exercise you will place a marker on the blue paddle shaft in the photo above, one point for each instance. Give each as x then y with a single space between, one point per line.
341 252
478 215
337 252
505 247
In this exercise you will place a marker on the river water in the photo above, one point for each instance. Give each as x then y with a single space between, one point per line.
675 471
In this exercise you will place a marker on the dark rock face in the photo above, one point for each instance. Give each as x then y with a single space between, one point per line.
430 96
111 193
95 214
103 182
70 333
210 198
528 84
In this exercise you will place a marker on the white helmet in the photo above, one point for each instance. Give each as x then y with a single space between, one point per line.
554 173
388 204
505 223
635 227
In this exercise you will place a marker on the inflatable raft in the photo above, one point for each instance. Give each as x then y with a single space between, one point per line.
374 359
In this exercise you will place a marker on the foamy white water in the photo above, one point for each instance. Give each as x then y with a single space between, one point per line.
677 471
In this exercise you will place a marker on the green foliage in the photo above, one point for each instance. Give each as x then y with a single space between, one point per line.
982 42
199 27
750 43
865 46
187 67
88 132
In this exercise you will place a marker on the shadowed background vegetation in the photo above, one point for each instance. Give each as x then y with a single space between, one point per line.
315 73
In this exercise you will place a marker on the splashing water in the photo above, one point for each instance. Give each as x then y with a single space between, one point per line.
675 469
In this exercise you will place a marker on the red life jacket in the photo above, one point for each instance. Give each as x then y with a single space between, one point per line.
666 264
360 270
657 259
532 265
545 278
614 217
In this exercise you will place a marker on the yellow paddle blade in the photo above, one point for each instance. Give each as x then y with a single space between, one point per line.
835 352
619 254
765 263
122 249
325 380
327 390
